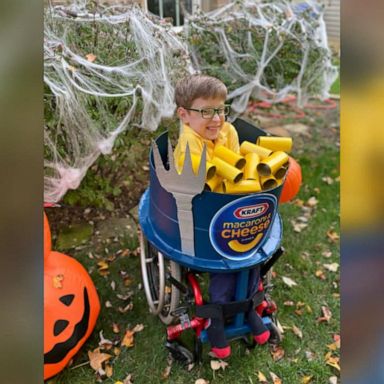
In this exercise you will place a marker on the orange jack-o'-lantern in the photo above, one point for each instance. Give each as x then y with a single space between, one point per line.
47 237
292 181
71 308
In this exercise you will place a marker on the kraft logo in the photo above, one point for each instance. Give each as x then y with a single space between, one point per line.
251 211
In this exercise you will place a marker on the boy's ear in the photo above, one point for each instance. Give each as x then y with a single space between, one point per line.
182 113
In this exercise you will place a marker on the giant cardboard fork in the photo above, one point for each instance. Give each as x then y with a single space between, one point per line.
184 187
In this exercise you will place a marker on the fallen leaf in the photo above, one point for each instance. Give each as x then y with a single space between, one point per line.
201 381
103 265
298 227
333 361
124 297
332 267
333 236
104 343
297 332
128 339
277 352
127 380
309 355
261 377
138 328
58 281
328 180
312 202
289 303
127 308
327 254
113 285
108 370
333 380
96 358
298 202
217 364
115 328
306 379
166 372
108 304
116 351
90 57
288 281
327 314
276 379
320 274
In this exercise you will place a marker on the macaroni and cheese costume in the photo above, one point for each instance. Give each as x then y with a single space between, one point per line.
222 286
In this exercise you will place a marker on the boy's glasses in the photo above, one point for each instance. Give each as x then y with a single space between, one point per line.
209 113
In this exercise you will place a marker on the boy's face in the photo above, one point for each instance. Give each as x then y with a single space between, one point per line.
207 128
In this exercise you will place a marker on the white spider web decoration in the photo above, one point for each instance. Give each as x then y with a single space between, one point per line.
110 68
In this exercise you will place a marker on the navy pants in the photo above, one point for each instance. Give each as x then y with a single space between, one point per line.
222 289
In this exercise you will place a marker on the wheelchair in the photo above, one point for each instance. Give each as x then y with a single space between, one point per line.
171 276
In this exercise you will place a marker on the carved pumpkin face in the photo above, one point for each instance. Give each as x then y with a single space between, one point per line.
292 182
71 308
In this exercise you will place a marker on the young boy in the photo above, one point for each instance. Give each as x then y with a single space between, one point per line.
201 107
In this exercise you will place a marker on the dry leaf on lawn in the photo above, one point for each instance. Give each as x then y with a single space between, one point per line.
166 372
104 343
306 379
333 236
312 202
327 254
138 328
277 352
288 281
217 364
276 379
327 314
333 361
96 358
333 380
127 308
309 355
90 57
297 332
128 339
261 377
108 370
201 381
332 267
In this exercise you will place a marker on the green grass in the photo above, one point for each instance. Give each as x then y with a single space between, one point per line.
147 360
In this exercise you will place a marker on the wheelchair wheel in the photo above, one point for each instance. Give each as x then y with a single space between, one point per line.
162 297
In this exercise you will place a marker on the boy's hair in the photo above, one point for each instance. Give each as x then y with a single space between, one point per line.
192 87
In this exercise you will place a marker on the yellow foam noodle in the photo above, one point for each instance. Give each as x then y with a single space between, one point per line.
250 169
280 173
268 182
275 143
229 156
210 168
219 188
248 147
227 171
213 183
272 163
243 186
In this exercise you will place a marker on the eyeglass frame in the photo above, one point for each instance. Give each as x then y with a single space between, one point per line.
215 110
